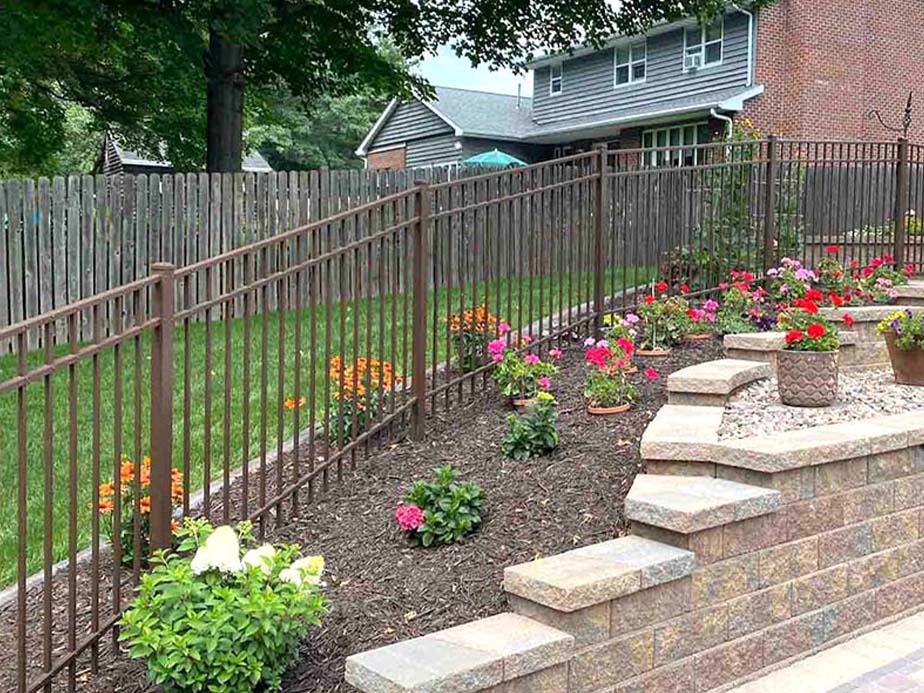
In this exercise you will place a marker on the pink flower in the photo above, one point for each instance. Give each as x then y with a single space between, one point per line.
497 358
651 374
555 353
527 339
626 345
531 359
545 382
409 517
503 328
496 347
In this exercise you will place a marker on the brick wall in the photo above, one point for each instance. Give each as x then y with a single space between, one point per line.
389 158
826 63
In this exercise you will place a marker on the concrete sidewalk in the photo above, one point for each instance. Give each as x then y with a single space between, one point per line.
887 660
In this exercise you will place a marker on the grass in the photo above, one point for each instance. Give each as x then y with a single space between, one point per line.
359 329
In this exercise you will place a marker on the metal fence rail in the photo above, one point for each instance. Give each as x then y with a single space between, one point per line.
255 378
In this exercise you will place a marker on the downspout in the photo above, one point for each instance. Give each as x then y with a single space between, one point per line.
729 123
750 15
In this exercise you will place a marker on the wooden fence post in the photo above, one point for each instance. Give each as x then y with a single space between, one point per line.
901 202
162 406
419 341
770 202
600 214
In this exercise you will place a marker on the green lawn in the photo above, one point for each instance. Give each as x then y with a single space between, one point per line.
359 329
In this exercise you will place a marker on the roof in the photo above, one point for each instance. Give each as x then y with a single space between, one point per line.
253 162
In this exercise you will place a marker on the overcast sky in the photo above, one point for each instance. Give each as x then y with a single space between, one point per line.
446 70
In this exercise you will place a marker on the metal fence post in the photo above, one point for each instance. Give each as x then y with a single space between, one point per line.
599 260
770 202
901 202
162 405
419 342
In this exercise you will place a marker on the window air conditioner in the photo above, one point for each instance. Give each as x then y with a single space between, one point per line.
692 62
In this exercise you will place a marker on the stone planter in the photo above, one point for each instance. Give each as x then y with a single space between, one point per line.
657 353
608 411
907 364
807 378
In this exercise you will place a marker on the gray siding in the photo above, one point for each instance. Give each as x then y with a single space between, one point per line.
410 121
433 150
587 81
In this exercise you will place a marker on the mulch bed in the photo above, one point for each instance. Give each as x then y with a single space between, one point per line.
383 590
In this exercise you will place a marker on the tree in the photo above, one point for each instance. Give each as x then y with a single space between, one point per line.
180 74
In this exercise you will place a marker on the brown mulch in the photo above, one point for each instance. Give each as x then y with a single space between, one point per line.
383 590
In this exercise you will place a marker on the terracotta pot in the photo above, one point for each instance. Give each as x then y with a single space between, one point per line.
631 370
807 378
521 404
698 337
658 353
907 364
606 411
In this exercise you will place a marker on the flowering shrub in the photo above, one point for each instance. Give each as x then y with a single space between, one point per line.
789 281
664 319
441 511
908 329
806 330
607 382
128 471
703 319
532 433
471 330
743 307
220 622
358 391
521 375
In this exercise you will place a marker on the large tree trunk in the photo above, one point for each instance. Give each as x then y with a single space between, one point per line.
223 69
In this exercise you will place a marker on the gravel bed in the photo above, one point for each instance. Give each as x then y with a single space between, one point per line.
756 410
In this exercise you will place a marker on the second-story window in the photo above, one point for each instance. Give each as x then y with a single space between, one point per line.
702 45
555 81
631 63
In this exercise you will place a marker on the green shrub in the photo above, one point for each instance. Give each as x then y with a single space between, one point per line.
219 622
533 433
450 510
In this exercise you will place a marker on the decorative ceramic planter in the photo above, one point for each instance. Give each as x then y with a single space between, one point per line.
807 378
658 353
607 411
907 364
702 337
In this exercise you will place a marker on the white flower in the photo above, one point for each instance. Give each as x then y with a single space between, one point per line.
261 558
221 551
309 568
291 575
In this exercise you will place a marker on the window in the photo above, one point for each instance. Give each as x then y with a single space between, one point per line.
631 63
702 45
555 80
675 144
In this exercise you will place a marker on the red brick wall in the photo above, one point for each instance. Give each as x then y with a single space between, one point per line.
390 158
826 63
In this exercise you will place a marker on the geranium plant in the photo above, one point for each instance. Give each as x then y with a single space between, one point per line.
703 318
743 306
789 281
534 432
135 505
607 383
664 319
806 330
208 618
521 375
441 511
471 331
622 327
907 327
358 391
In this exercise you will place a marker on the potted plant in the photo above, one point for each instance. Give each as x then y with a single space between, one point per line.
702 321
665 322
521 377
904 336
807 366
621 328
607 387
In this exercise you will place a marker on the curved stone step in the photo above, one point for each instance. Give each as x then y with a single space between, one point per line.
688 504
710 383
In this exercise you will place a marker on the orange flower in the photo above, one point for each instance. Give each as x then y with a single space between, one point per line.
145 504
174 526
127 471
291 403
106 506
107 490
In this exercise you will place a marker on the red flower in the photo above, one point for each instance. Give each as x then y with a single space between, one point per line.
794 336
816 330
661 287
814 295
868 271
723 285
806 305
848 320
833 249
598 356
649 299
836 300
685 288
651 374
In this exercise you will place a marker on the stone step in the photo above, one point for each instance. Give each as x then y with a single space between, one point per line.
682 433
471 657
596 574
688 504
763 346
911 294
711 383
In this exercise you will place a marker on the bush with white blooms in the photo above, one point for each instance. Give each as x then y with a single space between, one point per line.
210 619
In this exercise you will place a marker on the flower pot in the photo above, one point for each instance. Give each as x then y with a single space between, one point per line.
907 364
607 411
657 353
631 370
807 378
522 403
701 337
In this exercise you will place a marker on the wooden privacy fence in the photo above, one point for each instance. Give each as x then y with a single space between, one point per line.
265 372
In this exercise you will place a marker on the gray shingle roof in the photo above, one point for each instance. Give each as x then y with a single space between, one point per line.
484 113
253 162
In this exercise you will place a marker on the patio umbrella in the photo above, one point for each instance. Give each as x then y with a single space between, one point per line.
495 158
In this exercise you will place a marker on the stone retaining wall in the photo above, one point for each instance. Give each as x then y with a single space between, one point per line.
743 555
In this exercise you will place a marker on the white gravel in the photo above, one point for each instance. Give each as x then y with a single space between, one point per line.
757 410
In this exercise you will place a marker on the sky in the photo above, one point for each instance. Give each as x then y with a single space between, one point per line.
446 70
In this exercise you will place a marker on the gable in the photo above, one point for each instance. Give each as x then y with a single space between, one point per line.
409 121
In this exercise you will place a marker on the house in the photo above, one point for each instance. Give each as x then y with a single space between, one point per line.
115 159
807 70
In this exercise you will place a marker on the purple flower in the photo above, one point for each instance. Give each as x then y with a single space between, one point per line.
632 318
590 341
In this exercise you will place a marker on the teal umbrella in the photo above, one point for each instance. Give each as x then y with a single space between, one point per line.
495 158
